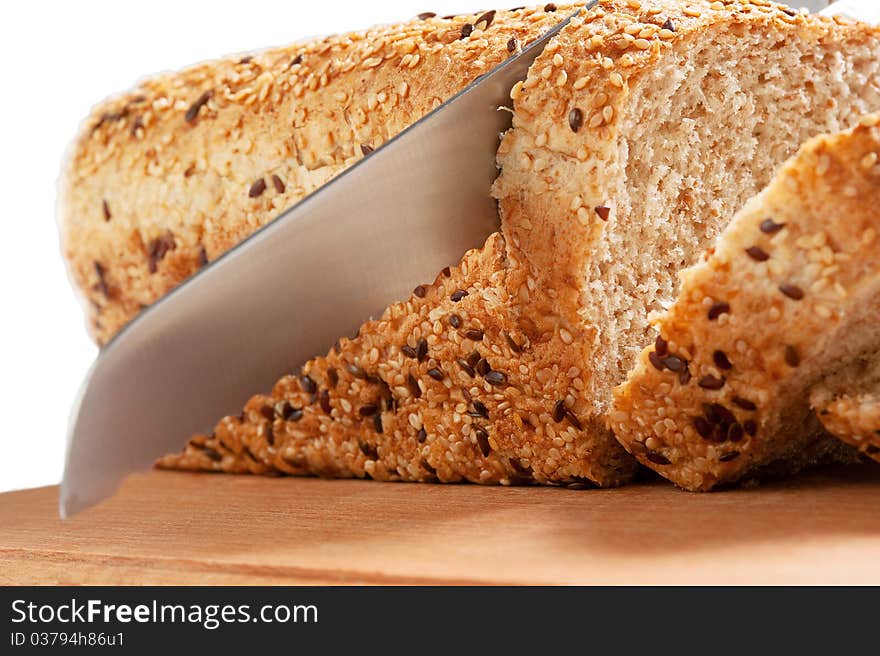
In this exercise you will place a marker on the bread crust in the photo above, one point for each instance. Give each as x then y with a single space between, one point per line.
791 289
848 405
422 394
172 174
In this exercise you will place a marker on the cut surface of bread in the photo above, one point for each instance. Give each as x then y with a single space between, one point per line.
639 131
848 405
174 173
790 292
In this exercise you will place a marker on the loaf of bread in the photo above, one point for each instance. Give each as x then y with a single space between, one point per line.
848 403
640 130
174 173
790 292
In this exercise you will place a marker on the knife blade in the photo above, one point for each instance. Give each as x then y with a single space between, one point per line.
282 296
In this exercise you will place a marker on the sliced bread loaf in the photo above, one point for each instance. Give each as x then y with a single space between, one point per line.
638 132
790 291
174 173
848 405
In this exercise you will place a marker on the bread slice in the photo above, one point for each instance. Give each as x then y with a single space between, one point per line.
790 292
639 130
848 405
175 172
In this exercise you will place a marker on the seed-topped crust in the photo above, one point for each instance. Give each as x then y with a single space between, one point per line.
422 394
210 154
777 343
848 405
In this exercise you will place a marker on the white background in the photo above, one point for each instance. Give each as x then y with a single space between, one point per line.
58 59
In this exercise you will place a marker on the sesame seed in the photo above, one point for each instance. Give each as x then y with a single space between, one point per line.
455 321
419 291
203 256
730 455
468 369
792 357
474 358
457 295
422 435
408 351
435 373
750 426
669 25
603 212
278 184
512 44
550 7
792 291
366 149
324 401
426 15
106 209
757 253
466 30
377 422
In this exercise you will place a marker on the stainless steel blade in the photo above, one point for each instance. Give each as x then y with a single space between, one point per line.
359 243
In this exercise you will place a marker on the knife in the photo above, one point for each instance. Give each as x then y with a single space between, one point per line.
285 294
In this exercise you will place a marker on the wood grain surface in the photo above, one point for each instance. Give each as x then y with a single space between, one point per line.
164 528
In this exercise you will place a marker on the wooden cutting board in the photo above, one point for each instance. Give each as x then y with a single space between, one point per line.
822 527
